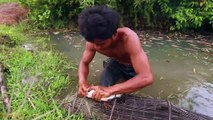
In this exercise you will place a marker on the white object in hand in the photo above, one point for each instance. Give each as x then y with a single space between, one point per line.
90 92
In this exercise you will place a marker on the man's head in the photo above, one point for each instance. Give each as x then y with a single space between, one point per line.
98 22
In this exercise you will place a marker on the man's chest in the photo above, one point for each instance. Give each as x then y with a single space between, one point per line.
118 54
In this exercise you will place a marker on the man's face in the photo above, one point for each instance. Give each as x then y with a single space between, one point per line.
102 44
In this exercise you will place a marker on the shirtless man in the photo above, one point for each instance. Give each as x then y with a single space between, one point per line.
99 26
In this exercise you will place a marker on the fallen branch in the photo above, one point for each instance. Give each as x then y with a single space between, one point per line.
4 91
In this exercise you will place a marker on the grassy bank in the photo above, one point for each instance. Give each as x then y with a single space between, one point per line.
33 77
4 1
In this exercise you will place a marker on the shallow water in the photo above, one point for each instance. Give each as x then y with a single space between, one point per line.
182 66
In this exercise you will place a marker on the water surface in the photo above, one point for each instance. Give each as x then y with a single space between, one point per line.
182 66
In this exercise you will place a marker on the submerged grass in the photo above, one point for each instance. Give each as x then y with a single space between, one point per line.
33 77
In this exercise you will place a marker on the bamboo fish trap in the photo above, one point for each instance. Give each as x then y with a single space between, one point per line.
130 107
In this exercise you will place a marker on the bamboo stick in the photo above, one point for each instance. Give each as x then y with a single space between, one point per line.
4 91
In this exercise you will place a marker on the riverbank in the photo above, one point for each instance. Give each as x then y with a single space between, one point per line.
34 74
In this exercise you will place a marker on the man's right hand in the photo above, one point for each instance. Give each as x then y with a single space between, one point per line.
82 89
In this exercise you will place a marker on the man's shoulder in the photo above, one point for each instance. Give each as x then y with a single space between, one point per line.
126 31
90 46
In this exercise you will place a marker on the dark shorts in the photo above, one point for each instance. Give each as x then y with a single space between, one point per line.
115 71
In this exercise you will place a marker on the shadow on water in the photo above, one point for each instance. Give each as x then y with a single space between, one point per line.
182 66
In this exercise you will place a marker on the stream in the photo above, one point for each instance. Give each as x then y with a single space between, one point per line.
182 66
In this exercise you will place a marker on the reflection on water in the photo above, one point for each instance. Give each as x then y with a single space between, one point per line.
199 99
182 67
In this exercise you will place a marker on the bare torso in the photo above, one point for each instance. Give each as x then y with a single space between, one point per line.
118 49
125 47
120 56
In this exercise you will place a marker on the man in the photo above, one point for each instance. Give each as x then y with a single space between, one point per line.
99 26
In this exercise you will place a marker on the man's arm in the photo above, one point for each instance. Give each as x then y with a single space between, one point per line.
83 69
141 66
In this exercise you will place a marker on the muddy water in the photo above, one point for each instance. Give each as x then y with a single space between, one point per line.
182 66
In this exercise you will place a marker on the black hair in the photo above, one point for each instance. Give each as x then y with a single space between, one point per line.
98 22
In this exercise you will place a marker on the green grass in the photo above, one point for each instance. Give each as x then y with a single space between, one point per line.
33 79
15 34
3 1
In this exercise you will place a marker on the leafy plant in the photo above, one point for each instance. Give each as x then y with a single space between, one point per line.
45 13
162 14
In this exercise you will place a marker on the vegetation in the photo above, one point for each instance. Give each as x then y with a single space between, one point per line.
161 14
33 77
5 1
51 14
